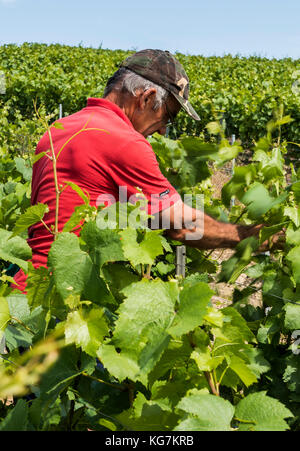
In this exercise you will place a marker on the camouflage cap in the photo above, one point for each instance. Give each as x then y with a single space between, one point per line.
162 68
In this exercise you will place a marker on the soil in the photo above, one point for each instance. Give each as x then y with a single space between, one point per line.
224 292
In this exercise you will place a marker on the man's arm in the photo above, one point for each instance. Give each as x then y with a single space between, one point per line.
197 229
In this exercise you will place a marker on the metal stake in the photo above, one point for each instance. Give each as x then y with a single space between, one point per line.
180 260
232 202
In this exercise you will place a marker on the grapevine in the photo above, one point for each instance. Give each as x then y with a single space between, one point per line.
116 341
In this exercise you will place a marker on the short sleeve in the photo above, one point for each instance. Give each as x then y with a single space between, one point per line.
137 169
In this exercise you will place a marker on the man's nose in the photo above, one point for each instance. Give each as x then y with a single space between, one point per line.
162 130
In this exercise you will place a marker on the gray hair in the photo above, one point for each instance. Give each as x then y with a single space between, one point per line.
124 80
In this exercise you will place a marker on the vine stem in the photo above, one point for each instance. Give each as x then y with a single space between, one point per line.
121 388
131 387
209 377
49 230
221 378
240 216
57 191
149 271
77 133
22 324
211 383
54 159
147 274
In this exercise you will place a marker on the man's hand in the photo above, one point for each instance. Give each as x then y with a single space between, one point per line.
275 242
196 229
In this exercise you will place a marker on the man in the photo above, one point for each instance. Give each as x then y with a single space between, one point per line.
105 148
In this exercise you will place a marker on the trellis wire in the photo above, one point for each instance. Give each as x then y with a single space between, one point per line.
269 294
232 201
180 260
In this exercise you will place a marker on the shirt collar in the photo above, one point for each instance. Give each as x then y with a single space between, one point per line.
104 103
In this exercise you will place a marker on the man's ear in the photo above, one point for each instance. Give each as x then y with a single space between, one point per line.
147 98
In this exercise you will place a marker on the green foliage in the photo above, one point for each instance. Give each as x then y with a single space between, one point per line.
14 249
258 412
242 91
205 412
108 337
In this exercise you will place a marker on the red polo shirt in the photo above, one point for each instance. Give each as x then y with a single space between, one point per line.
104 155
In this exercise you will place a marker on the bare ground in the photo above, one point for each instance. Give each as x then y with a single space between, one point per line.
224 291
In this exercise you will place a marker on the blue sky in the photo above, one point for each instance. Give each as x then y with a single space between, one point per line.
268 28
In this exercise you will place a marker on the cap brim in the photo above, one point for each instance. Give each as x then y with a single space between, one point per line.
187 107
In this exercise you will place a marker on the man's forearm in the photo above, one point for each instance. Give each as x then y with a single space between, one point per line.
197 229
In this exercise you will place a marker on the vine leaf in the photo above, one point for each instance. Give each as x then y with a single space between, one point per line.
194 300
259 412
205 412
140 336
32 215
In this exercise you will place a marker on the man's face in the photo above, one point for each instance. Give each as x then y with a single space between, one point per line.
147 121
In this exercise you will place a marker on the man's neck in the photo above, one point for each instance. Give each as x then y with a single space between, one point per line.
123 102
